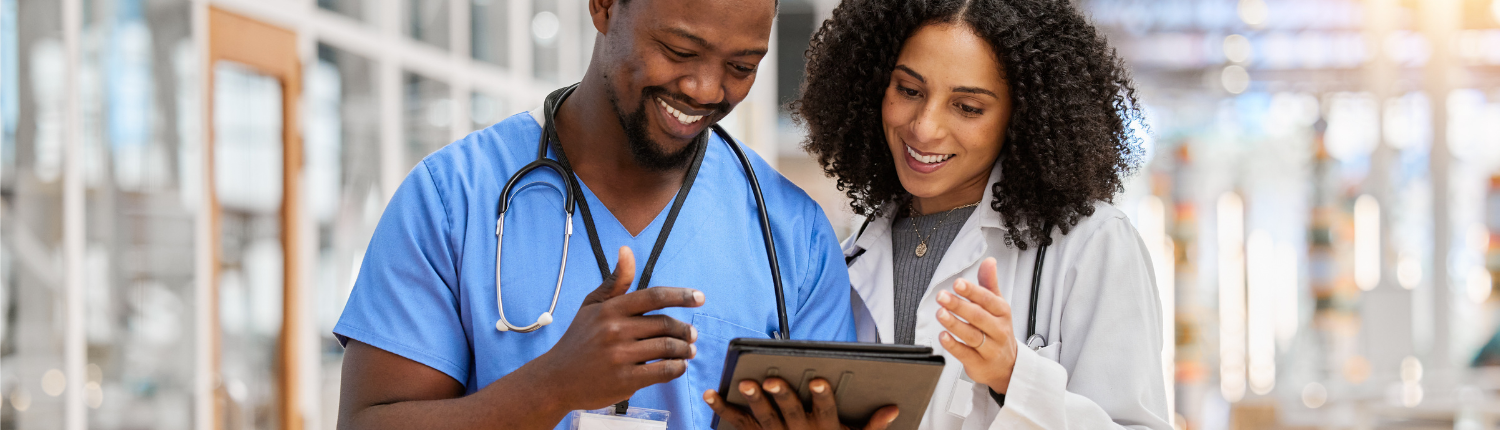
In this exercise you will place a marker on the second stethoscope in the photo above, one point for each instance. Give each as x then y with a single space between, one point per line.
573 198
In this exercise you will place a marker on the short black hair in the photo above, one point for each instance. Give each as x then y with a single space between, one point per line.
1069 142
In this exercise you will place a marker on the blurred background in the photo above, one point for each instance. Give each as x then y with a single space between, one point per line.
188 187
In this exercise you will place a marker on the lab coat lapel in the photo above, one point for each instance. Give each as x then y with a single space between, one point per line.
871 275
970 245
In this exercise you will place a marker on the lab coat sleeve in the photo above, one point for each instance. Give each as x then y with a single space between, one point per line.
1108 372
405 299
824 312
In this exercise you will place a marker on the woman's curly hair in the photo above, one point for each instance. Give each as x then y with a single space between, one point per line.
1069 141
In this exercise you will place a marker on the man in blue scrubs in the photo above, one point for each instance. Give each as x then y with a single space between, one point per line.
423 349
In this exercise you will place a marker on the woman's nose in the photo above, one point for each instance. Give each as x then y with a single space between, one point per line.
928 125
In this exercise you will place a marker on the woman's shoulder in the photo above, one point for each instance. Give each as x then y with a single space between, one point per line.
1107 224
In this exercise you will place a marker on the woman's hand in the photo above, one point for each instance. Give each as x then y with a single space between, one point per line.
788 413
986 344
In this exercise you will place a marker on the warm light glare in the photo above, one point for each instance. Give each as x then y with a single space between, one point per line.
1411 394
1152 216
1314 395
1288 303
53 382
1235 79
20 399
1253 12
1264 278
93 395
1495 9
1237 48
1409 271
1411 369
1366 242
1231 238
1480 284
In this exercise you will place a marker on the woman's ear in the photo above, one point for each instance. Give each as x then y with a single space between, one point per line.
600 11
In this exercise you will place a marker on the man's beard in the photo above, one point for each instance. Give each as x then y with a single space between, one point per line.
648 152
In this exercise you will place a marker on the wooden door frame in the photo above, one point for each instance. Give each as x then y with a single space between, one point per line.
272 51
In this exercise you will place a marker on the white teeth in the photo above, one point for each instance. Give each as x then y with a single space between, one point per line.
927 159
683 118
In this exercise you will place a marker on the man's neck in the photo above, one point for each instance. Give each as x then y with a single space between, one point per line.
591 135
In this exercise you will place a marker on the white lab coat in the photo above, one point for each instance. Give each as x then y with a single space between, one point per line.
1098 309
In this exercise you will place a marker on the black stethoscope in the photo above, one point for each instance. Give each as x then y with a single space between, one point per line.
573 197
1034 340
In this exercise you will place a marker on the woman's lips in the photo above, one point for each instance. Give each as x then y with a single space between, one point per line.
917 160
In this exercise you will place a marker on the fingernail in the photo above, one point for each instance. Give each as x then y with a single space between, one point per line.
773 388
692 334
698 297
749 391
943 297
962 287
693 349
819 387
894 415
942 313
708 396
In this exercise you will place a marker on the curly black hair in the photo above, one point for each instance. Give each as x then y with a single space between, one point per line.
1069 141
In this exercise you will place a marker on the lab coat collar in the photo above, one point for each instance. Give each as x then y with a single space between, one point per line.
871 273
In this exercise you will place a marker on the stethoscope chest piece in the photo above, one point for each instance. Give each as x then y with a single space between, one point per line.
1036 342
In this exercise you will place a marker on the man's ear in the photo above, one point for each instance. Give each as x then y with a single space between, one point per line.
601 11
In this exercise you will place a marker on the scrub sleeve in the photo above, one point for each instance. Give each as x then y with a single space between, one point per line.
406 297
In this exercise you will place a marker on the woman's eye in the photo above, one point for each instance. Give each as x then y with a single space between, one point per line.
907 91
970 109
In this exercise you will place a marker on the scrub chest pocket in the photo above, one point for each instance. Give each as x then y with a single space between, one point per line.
707 368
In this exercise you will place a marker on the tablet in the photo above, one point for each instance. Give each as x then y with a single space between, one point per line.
864 376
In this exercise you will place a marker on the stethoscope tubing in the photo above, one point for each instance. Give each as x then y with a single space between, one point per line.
548 133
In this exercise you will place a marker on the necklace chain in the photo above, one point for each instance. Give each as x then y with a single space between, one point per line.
921 249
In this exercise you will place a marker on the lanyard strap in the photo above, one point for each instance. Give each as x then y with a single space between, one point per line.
583 205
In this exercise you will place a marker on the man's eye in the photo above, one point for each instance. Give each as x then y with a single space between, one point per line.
681 54
742 68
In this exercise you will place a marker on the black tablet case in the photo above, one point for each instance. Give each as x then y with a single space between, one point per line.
865 376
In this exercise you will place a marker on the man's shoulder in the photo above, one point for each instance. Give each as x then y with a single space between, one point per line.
787 201
492 149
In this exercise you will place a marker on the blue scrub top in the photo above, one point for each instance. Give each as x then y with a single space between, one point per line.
426 289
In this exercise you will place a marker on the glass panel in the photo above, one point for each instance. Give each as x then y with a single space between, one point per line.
490 31
248 181
545 26
427 21
362 10
428 110
138 91
342 147
31 274
485 110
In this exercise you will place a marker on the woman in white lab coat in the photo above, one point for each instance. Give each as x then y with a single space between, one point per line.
985 139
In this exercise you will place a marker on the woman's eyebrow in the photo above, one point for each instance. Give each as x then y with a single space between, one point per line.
975 90
911 72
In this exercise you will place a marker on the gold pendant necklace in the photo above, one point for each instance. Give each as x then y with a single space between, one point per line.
921 250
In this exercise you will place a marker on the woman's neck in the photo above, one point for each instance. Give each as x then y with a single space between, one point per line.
963 195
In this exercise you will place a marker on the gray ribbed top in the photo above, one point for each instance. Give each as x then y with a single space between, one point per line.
912 273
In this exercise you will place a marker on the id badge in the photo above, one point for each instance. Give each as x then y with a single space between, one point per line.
634 419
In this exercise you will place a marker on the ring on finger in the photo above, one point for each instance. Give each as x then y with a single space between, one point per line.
982 339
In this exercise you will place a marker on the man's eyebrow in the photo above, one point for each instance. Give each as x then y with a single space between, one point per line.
683 33
975 90
690 36
911 72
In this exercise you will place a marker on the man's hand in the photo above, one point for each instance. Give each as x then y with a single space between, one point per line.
612 349
986 344
787 413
